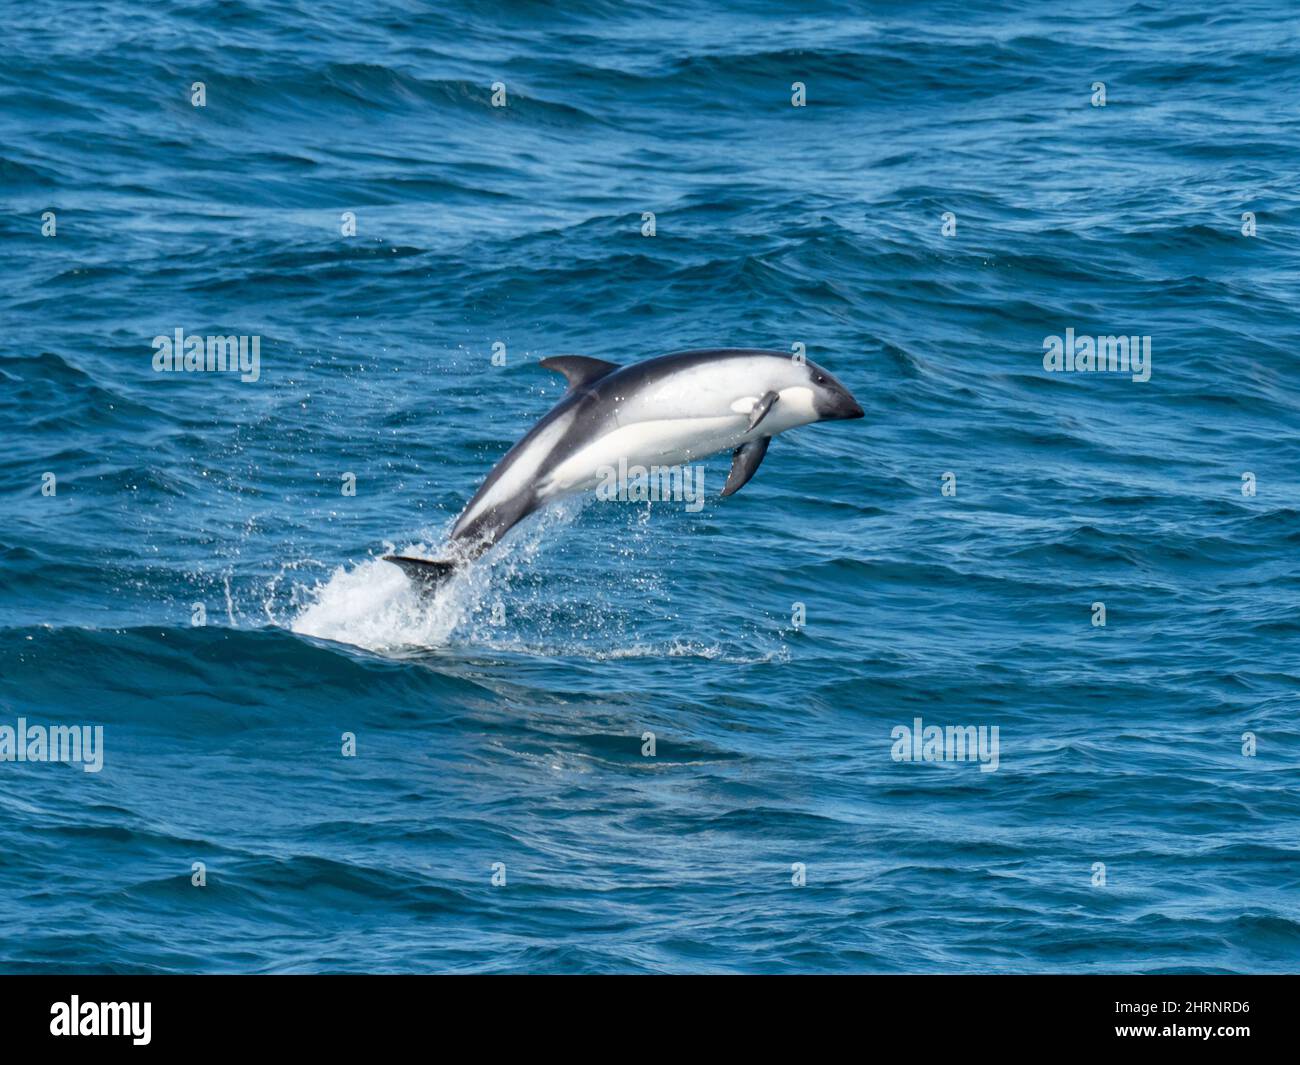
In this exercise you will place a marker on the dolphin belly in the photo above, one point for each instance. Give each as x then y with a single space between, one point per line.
663 442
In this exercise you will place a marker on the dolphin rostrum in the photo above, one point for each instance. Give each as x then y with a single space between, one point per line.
666 411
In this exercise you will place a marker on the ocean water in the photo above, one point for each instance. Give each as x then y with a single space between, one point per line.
773 642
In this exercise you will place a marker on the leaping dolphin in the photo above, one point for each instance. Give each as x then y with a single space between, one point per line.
666 411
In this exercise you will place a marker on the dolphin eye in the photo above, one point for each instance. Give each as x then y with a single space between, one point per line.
820 378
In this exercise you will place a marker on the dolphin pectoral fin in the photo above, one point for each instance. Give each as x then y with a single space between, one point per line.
757 415
426 574
745 461
579 370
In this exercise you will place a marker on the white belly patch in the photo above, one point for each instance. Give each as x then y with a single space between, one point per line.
668 442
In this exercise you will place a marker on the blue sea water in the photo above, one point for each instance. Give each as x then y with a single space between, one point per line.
1124 829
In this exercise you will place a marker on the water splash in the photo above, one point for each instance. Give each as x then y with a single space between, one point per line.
374 605
520 600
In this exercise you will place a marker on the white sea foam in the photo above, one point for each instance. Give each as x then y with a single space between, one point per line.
373 605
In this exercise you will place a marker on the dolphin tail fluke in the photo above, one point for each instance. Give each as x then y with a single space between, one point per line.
426 574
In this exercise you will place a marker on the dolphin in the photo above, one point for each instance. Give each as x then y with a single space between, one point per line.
666 411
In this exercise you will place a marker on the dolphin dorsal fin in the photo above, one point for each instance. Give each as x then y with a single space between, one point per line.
579 370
